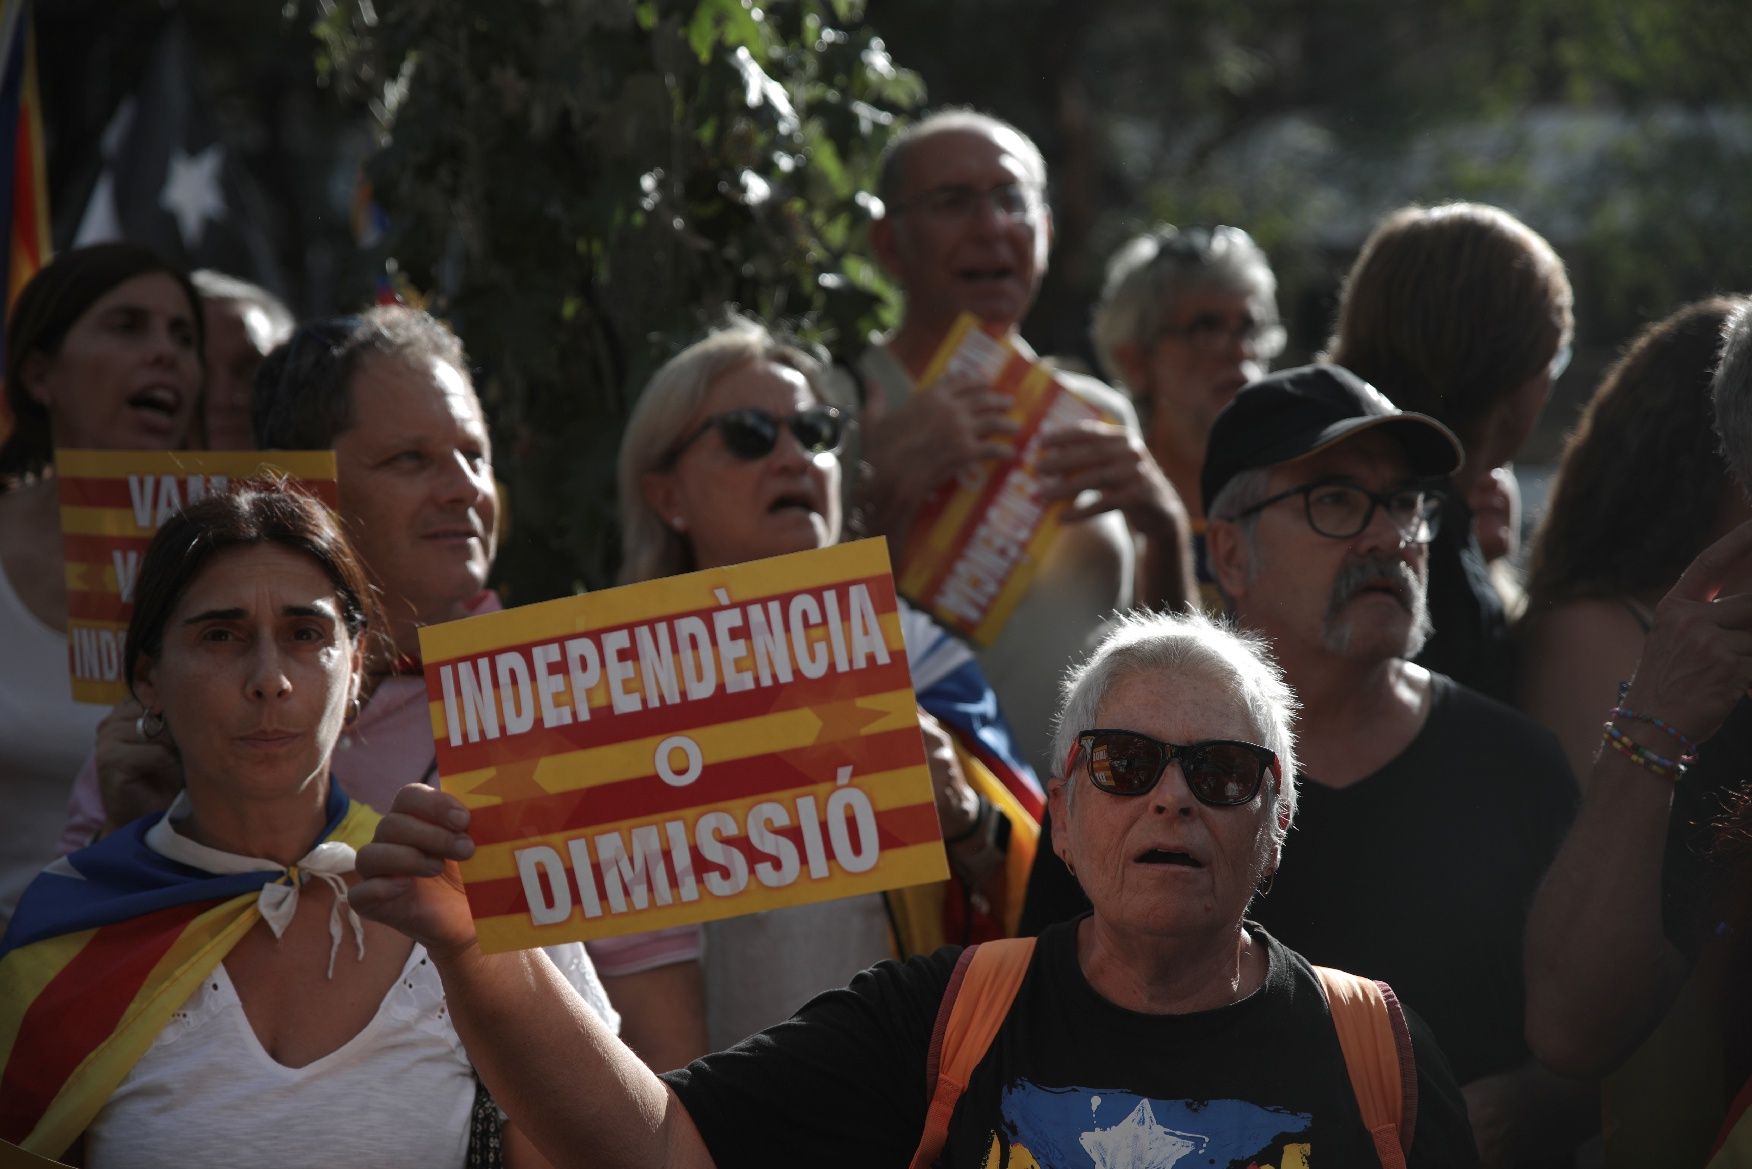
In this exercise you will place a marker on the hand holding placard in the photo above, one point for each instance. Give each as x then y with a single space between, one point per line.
684 750
972 549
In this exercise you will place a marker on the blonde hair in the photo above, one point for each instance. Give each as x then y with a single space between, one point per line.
650 547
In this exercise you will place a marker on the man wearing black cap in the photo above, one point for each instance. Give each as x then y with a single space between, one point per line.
1429 812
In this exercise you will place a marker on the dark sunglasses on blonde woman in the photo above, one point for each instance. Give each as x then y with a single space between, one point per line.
1223 773
752 433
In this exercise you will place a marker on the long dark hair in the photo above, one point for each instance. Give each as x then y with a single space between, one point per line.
48 306
1642 460
259 512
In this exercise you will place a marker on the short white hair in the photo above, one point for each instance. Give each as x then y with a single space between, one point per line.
1144 642
1732 391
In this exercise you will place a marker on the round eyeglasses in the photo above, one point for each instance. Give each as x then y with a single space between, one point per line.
1340 509
959 202
1211 333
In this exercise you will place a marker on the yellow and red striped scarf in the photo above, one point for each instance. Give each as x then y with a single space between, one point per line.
105 946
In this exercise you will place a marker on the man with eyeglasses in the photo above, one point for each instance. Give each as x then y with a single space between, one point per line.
1429 812
965 228
1187 317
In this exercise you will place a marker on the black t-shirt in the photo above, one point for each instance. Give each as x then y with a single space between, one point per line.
1471 642
1422 873
1070 1080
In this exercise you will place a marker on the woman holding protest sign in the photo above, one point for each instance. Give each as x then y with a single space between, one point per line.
238 1011
732 455
103 351
1162 1027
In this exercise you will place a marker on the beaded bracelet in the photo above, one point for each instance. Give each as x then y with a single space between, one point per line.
1669 769
1687 745
1688 749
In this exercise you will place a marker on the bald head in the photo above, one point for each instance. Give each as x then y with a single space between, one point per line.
891 168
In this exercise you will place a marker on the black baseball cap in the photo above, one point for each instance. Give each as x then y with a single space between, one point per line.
1295 412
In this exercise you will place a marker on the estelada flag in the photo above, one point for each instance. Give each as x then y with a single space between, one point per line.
685 750
105 946
24 200
112 503
976 542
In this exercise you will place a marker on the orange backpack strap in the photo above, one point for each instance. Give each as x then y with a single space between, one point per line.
1377 1054
974 1006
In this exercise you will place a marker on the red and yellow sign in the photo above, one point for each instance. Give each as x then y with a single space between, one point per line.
112 503
974 546
685 750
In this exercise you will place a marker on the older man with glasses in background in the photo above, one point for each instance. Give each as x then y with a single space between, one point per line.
1429 812
1187 317
965 227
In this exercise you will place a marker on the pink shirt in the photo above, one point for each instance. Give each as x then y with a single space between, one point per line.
388 747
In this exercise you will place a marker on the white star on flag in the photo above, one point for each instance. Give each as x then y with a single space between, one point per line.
191 192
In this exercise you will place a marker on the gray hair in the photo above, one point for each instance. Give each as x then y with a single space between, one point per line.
1148 272
1732 391
304 389
671 400
891 167
1142 642
219 286
1243 491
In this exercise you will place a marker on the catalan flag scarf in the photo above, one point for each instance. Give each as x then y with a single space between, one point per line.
105 945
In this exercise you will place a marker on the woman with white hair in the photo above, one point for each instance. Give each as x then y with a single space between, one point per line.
1161 1026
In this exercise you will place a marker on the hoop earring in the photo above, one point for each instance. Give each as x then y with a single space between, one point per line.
150 725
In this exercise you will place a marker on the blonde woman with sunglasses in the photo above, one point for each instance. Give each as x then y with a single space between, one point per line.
731 455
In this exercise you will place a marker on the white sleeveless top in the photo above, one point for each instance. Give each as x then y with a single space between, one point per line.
44 737
399 1093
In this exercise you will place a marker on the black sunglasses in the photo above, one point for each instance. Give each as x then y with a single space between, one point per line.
752 433
1223 773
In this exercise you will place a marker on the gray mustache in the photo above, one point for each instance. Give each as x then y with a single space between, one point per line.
1371 572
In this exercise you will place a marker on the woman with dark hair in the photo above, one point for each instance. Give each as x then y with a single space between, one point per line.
234 1011
1464 313
1643 458
102 351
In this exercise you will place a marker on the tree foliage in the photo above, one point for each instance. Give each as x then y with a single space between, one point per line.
582 186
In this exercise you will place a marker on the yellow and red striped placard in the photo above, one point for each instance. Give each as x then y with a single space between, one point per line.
974 545
112 503
685 750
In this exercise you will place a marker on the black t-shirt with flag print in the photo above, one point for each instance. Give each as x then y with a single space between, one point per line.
1070 1081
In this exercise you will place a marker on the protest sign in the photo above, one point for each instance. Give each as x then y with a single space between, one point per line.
974 546
112 502
684 750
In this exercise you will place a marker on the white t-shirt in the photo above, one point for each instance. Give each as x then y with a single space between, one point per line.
44 736
206 1093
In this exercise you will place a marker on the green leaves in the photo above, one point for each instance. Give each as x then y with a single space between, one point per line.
582 190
